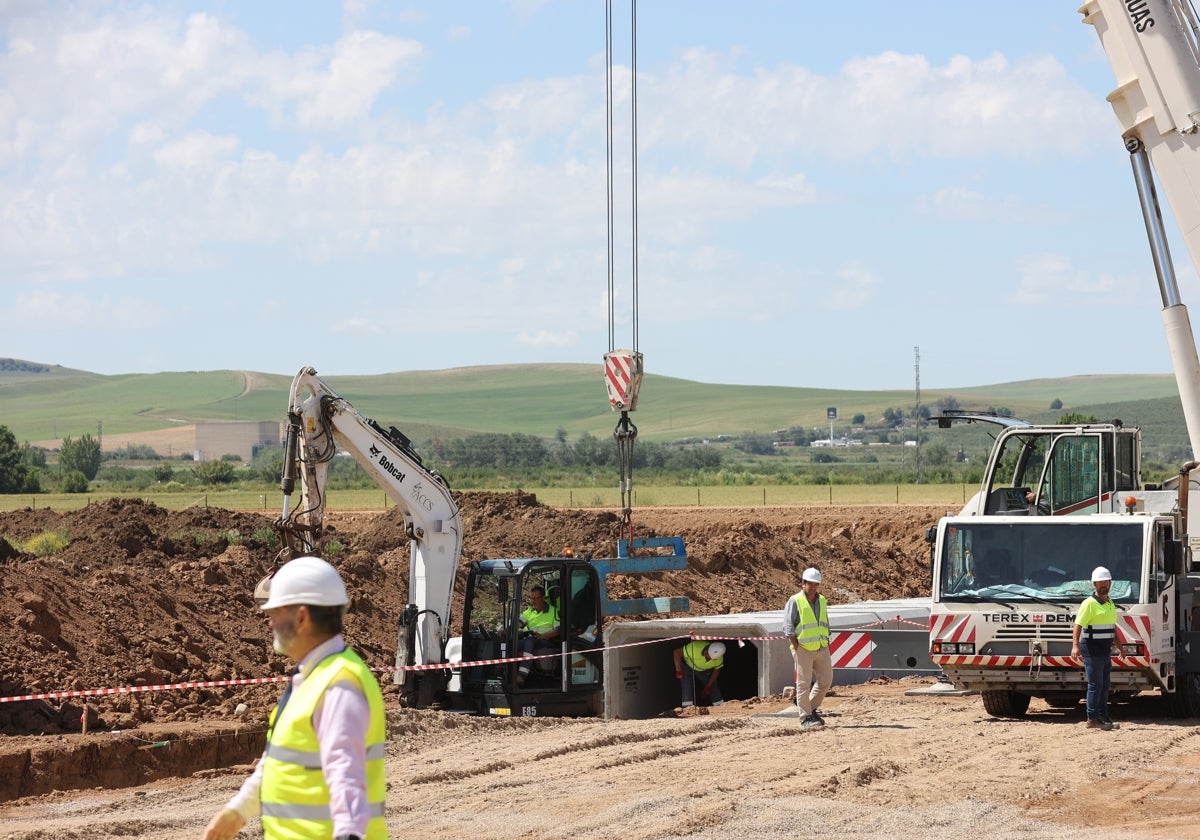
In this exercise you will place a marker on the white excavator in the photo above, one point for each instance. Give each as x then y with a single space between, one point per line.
563 677
1057 501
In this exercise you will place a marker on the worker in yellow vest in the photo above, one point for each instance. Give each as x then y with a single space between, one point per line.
806 623
700 663
539 626
321 774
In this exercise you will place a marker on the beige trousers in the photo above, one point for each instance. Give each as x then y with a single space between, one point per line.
814 676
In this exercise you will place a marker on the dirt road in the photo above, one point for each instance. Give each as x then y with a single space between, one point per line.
146 596
887 765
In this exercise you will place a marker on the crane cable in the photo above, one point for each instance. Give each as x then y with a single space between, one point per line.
625 432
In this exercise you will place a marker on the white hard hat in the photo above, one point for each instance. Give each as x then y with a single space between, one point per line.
1100 573
811 575
306 580
716 649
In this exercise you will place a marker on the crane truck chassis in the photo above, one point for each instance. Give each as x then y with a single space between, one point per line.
1010 570
568 683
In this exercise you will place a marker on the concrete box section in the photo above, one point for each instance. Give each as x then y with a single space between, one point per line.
869 639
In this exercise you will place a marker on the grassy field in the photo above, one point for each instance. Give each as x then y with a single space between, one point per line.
951 495
530 399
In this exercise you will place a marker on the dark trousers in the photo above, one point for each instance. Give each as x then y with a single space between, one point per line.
1098 668
692 680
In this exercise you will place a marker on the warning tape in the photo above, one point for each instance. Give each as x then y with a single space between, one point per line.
137 689
436 666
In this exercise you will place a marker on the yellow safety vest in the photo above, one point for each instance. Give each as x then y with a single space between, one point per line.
295 798
693 655
540 622
811 631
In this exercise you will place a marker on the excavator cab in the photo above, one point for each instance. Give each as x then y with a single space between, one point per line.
523 675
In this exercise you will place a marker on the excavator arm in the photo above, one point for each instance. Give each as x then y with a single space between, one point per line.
319 424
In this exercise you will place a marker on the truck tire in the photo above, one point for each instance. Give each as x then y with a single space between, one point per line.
1185 702
1006 704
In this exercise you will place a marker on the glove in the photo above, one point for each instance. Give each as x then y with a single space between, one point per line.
679 675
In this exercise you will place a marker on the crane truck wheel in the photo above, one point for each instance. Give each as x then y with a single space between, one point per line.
1007 704
1185 702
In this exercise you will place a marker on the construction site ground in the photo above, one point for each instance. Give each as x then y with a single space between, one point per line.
143 596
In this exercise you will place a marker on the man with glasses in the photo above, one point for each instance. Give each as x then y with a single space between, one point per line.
1092 642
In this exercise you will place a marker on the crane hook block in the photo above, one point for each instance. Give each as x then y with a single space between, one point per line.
623 377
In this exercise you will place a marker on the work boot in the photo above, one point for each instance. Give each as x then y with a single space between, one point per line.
811 722
1096 723
1110 723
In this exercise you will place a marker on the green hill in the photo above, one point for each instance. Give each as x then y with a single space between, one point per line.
44 402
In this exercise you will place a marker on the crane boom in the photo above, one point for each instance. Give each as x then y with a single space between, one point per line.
1154 51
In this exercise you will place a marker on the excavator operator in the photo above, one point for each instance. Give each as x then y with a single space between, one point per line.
539 622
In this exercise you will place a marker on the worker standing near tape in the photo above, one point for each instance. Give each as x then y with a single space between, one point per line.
806 622
321 774
696 663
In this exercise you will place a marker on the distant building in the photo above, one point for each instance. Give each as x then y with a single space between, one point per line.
242 438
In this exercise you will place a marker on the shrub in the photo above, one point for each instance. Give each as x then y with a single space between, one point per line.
75 482
47 543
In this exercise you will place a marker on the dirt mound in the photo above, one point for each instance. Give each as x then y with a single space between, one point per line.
145 596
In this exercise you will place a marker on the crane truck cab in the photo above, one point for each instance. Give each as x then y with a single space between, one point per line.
1054 470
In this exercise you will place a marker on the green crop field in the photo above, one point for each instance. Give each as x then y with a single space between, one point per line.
537 400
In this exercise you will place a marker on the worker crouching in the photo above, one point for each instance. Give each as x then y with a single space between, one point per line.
698 665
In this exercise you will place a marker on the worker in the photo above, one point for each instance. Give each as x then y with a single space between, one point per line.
696 662
540 621
806 623
321 774
1092 641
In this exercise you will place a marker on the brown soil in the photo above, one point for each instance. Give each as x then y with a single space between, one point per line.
145 596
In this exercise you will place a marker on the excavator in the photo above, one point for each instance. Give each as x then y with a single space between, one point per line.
1009 570
481 670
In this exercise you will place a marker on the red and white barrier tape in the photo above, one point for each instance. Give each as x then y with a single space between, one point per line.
436 666
137 689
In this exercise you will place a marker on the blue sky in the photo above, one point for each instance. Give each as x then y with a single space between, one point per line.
382 186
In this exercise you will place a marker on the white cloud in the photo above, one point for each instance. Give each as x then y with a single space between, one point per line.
1051 278
358 327
545 338
853 288
362 66
50 310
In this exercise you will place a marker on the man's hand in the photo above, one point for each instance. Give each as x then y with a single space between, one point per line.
706 690
678 674
224 825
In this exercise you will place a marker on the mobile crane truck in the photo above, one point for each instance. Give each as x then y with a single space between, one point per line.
567 680
1056 501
